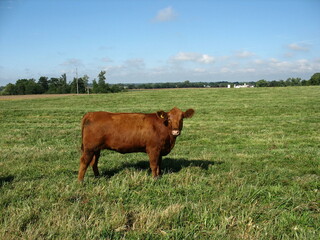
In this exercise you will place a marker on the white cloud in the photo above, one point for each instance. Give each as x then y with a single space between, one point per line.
72 62
196 66
128 67
225 70
71 66
298 47
199 70
258 61
135 63
165 15
206 59
192 57
105 59
244 54
248 70
182 56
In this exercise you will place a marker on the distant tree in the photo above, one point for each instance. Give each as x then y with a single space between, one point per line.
223 84
31 87
95 86
262 83
63 86
82 84
73 85
281 83
288 82
53 85
43 84
186 84
10 89
101 86
315 79
21 86
85 80
115 88
273 84
58 85
296 81
305 83
293 82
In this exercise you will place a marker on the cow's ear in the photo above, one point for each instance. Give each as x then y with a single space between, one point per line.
189 113
162 114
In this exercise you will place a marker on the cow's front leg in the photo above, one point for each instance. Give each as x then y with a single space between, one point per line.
159 166
155 162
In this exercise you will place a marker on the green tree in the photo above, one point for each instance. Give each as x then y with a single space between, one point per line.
296 81
293 82
101 86
24 86
274 84
85 80
95 86
31 87
58 85
281 83
73 85
262 83
82 84
21 86
315 79
115 88
43 84
63 85
53 85
305 82
186 84
10 89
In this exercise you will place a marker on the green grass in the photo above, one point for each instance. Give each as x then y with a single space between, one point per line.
245 167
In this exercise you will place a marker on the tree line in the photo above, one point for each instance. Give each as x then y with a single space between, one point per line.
314 80
185 84
60 86
81 85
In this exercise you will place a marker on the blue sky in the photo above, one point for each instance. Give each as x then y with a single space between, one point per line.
160 40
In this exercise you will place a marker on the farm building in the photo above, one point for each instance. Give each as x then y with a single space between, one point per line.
243 86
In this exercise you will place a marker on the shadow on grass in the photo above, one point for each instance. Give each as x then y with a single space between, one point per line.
169 165
7 179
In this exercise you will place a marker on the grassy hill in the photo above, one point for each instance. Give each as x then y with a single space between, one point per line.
245 167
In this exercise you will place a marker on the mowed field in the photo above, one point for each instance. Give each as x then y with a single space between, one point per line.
245 167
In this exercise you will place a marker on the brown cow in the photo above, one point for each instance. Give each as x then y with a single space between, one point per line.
154 134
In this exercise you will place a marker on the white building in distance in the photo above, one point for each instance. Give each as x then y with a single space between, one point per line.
243 86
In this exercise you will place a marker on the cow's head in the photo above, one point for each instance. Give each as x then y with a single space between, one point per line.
174 119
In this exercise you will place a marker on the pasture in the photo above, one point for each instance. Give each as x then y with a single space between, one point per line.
245 167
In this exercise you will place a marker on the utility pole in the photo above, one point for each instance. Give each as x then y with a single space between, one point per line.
77 80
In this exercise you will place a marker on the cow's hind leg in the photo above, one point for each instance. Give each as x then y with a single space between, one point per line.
94 163
85 160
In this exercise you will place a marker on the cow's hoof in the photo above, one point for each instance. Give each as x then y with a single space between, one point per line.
156 178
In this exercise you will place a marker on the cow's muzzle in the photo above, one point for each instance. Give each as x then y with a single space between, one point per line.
175 132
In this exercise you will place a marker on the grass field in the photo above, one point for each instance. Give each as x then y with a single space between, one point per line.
245 167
